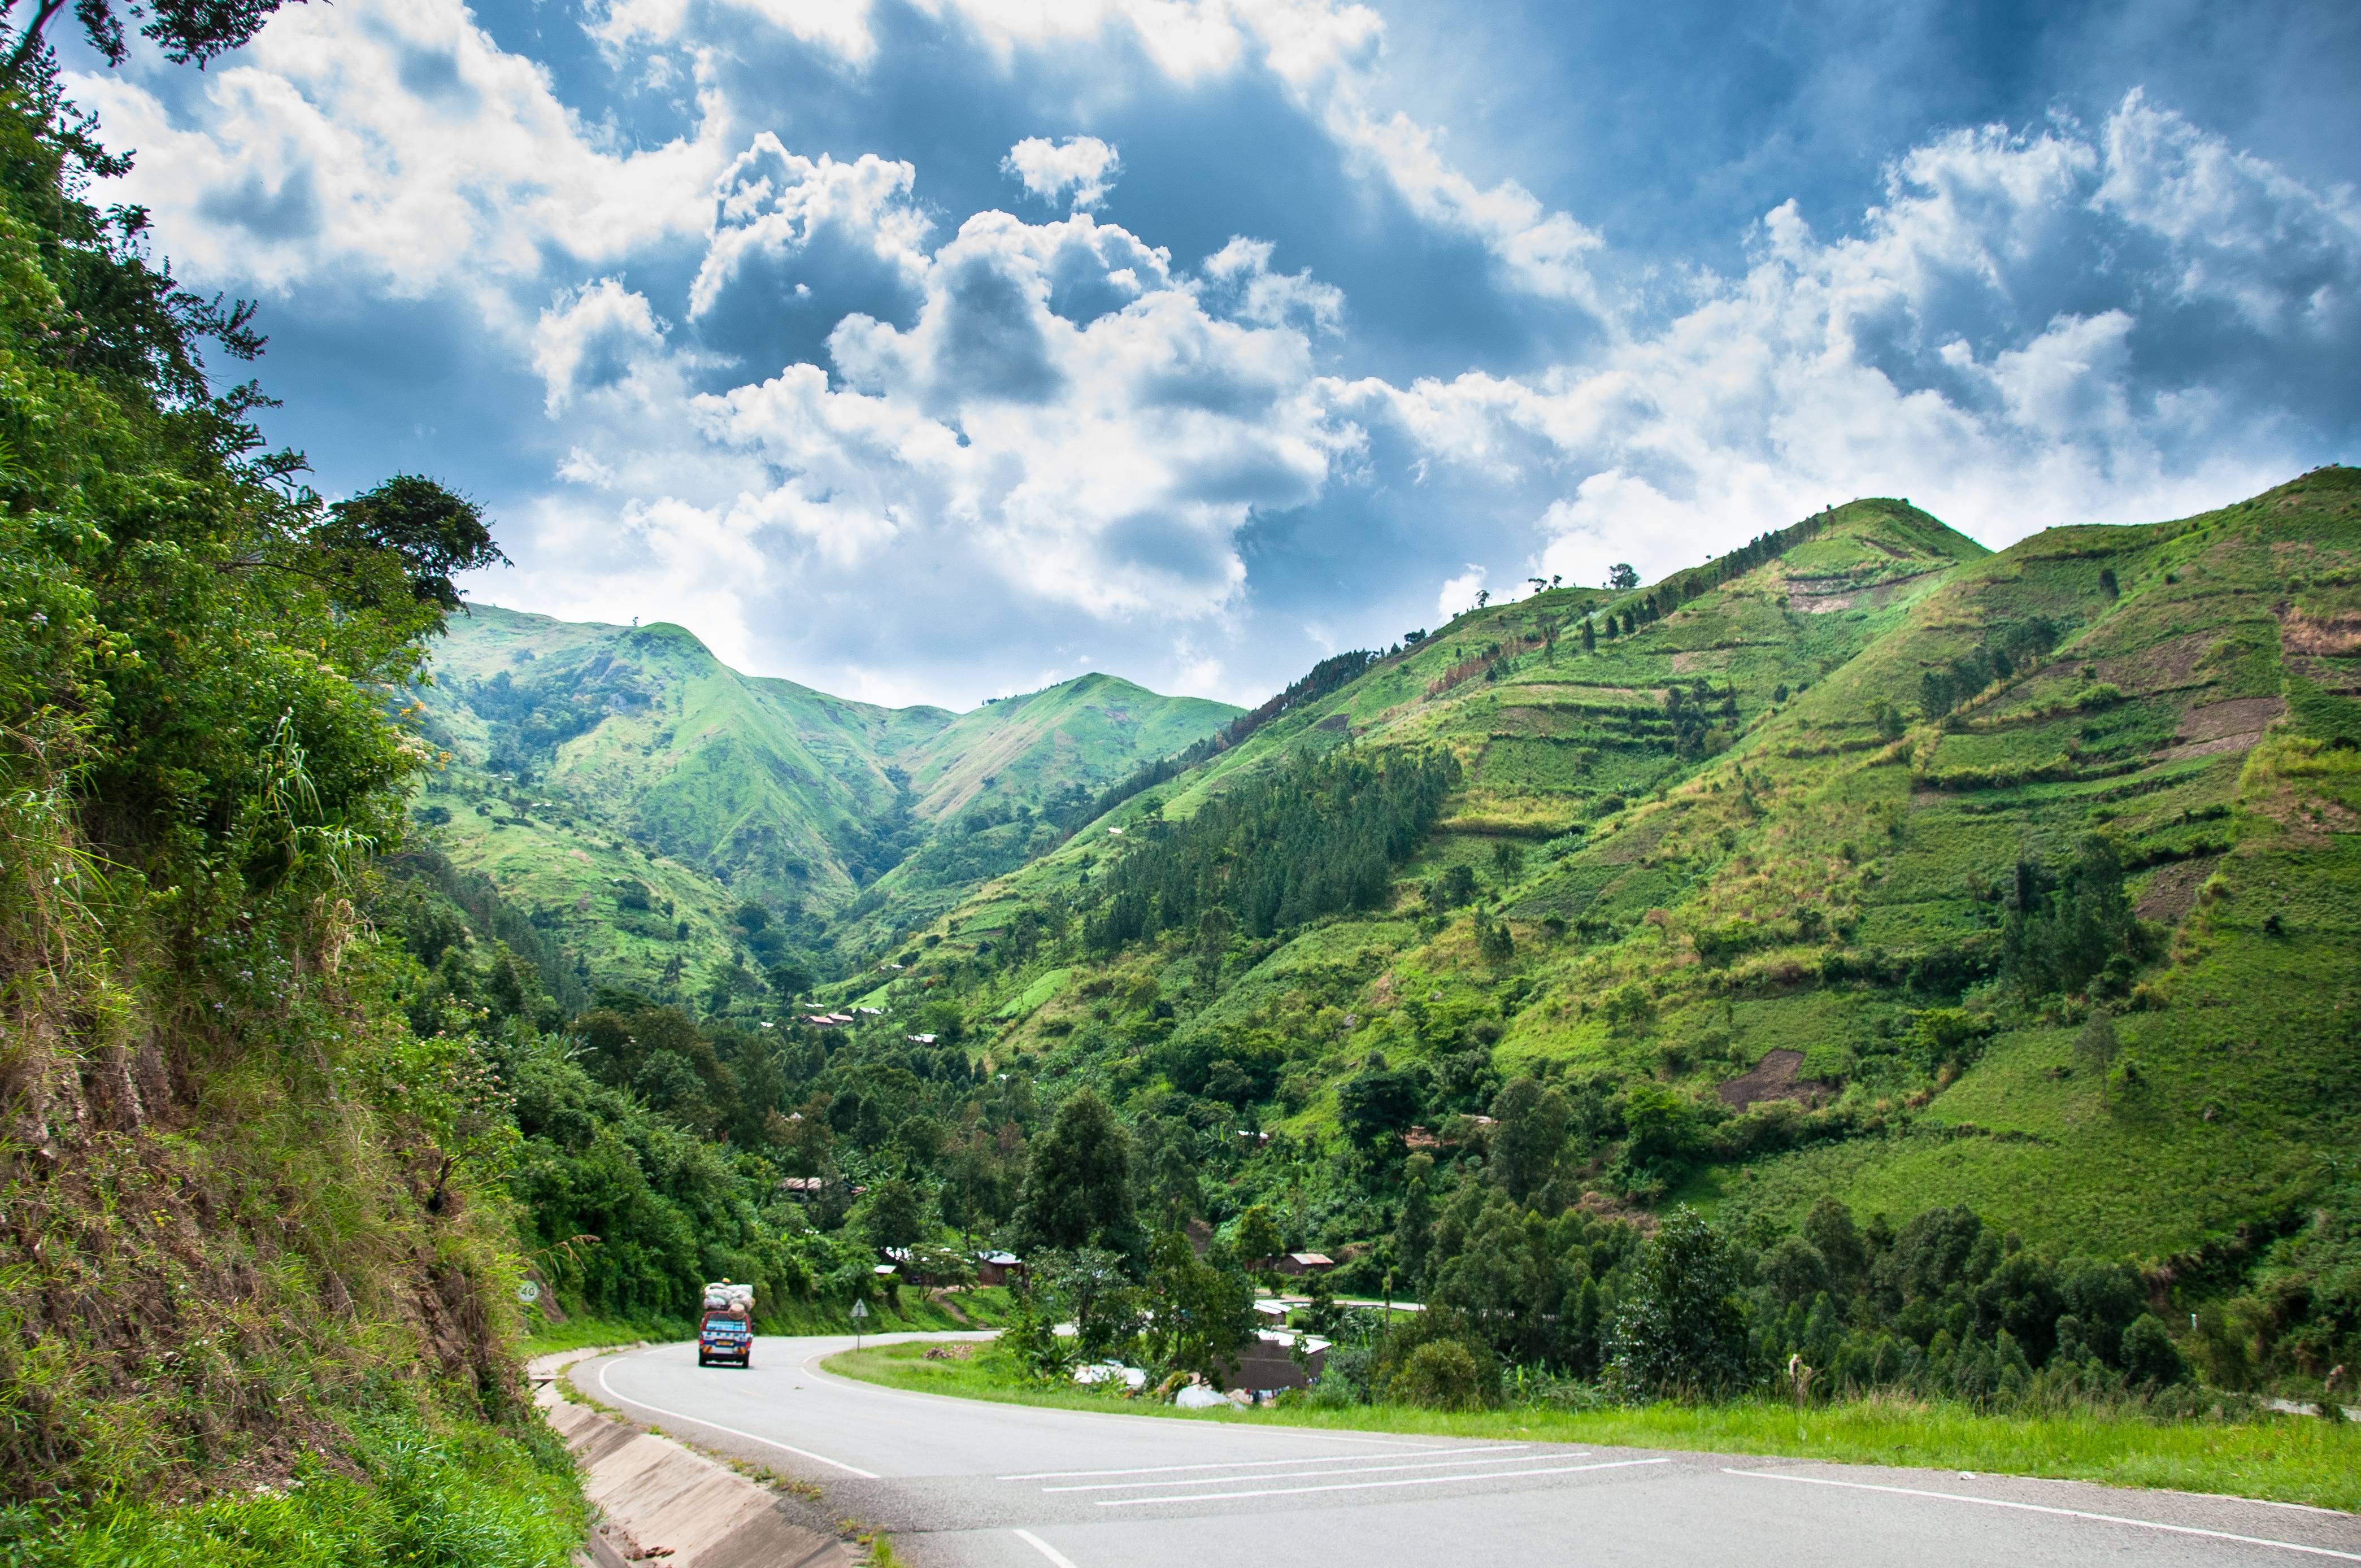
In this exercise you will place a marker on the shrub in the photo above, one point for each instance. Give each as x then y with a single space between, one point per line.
1441 1375
2149 1356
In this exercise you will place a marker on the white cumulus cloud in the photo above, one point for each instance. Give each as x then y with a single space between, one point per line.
1080 169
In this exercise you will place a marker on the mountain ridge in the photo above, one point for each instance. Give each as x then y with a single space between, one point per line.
625 783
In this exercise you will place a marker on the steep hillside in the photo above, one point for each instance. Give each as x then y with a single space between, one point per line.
1810 882
262 1269
632 792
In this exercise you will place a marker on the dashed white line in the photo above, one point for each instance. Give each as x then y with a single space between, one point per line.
2046 1508
1349 1470
1367 1486
1234 1464
733 1431
1056 1557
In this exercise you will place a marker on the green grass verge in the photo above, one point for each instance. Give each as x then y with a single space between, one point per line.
2283 1458
580 1332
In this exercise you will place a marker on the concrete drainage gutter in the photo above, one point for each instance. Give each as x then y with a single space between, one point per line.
661 1502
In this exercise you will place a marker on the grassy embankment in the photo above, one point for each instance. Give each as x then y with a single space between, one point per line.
2283 1458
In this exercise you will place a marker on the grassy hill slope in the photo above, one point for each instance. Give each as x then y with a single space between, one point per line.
631 791
1760 879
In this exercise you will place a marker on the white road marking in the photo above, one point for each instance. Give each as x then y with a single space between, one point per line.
733 1431
2063 1513
1057 1557
1366 1486
1229 1465
1349 1470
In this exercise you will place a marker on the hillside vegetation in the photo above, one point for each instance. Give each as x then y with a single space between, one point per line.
252 1225
1862 865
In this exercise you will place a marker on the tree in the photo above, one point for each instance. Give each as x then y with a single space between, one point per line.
1200 1310
893 1213
1415 1227
1590 638
1679 1332
2095 1046
1622 579
429 531
1531 1125
789 978
1494 944
1078 1185
1830 1230
1379 1101
1172 1180
186 31
1508 860
1089 1284
1257 1241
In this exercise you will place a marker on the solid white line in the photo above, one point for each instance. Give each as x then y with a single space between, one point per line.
1057 1557
2063 1513
1349 1470
1229 1465
733 1431
1366 1486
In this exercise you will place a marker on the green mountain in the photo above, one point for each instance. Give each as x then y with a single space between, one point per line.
632 792
1809 879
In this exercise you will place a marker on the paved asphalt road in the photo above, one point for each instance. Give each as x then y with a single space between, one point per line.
962 1482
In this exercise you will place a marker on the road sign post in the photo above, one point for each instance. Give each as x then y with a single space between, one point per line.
860 1310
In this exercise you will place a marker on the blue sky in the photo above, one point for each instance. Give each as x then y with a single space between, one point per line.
924 350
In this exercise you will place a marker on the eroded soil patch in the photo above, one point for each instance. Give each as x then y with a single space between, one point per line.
1774 1078
2171 892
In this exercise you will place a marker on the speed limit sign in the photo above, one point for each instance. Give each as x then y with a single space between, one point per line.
528 1292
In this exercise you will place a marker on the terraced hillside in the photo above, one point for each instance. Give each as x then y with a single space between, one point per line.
634 792
1811 882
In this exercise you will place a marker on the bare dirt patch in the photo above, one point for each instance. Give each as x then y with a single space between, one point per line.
2241 716
1805 603
1521 694
1843 594
2308 819
2222 726
2214 747
1627 847
2171 892
2342 676
2332 636
2168 665
1774 1078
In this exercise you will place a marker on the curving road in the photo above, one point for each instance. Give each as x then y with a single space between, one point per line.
962 1482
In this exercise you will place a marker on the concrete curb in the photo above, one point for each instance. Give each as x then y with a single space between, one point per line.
654 1495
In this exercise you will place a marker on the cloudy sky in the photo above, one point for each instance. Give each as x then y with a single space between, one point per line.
924 350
